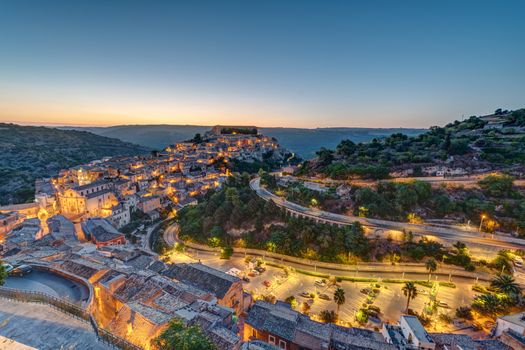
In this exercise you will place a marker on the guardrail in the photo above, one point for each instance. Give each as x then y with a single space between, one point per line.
70 309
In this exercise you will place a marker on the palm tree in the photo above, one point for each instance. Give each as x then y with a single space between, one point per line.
487 304
431 266
410 291
339 297
328 316
506 284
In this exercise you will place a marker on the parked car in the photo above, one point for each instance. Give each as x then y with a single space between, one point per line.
444 305
233 272
306 294
21 270
260 269
320 283
324 297
267 283
246 279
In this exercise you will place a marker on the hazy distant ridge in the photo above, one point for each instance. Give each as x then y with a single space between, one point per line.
304 142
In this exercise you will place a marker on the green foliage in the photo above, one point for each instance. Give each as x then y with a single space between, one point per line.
497 185
377 158
137 218
304 196
236 206
516 118
339 297
502 262
464 312
410 291
361 316
3 274
431 265
180 337
423 248
292 301
507 285
489 304
393 200
328 316
226 252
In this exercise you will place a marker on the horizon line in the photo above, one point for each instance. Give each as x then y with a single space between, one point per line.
81 125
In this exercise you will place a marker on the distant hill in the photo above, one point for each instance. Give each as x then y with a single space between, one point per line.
28 152
304 142
492 142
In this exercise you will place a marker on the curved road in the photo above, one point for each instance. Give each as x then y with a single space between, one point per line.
414 272
446 233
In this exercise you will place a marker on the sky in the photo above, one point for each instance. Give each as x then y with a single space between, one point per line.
267 63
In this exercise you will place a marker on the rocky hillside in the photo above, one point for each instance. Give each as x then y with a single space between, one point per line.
477 144
27 153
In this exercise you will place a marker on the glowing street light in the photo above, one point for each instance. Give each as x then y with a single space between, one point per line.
481 223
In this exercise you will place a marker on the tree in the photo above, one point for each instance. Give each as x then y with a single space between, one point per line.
431 266
292 301
339 297
3 274
328 316
180 337
197 138
305 308
506 284
488 304
497 185
464 312
325 156
346 148
410 291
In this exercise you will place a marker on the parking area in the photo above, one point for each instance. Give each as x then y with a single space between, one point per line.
50 283
390 298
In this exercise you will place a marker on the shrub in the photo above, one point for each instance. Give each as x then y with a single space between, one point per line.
292 301
226 252
464 312
361 316
470 267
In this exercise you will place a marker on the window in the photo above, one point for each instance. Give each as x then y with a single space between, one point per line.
254 333
271 339
282 344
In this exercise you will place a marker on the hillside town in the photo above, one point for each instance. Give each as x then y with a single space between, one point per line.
75 229
100 197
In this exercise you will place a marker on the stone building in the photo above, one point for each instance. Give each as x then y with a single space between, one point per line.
227 289
279 325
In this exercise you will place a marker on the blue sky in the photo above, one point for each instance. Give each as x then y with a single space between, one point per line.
269 63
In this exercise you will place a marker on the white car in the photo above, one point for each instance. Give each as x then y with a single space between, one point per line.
233 272
320 283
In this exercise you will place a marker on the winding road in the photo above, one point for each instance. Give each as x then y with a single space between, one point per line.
446 234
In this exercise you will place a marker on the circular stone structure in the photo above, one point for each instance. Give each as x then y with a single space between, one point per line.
51 284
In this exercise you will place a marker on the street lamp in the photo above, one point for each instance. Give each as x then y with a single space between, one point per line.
481 223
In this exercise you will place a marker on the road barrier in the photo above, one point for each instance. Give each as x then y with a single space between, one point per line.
69 309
